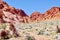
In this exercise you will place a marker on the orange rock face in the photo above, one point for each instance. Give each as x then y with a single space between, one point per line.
34 16
54 12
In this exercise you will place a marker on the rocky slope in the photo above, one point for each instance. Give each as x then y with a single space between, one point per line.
12 14
15 24
53 13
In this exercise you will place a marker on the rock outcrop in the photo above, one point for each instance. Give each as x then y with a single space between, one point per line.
53 13
34 16
10 13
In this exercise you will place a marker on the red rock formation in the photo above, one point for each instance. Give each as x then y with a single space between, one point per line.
9 30
10 14
54 12
34 16
21 16
22 13
1 13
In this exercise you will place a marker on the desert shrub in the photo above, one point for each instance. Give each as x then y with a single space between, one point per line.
29 38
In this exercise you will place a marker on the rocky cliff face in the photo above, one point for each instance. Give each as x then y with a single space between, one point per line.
10 14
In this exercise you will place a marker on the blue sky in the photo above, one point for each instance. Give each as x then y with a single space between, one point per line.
30 6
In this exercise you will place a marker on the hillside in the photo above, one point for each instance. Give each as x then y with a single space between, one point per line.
15 24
